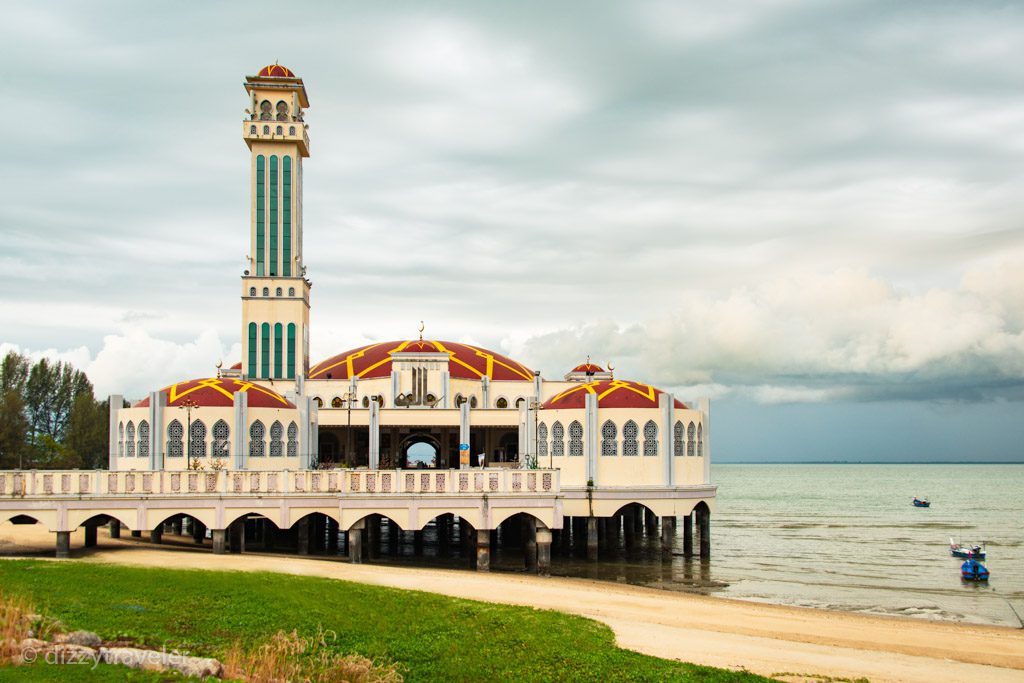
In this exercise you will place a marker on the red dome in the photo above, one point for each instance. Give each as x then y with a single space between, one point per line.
276 71
588 367
216 392
464 361
237 366
614 393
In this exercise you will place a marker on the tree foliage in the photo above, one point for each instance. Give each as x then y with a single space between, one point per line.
48 416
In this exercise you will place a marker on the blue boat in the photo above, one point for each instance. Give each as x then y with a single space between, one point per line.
972 570
921 502
968 552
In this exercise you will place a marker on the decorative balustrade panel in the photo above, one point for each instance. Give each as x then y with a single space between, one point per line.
249 482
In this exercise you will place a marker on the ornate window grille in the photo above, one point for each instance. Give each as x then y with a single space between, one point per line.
277 292
276 444
542 439
197 439
266 111
120 439
677 439
175 444
700 441
293 440
221 434
257 447
650 438
129 444
252 291
143 439
557 439
691 435
630 445
575 438
609 434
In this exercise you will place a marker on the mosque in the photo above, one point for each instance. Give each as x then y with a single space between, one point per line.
414 404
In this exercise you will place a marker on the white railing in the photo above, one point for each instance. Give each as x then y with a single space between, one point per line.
472 482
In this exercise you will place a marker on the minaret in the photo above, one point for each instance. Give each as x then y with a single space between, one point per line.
275 292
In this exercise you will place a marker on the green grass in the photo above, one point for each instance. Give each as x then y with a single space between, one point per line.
434 638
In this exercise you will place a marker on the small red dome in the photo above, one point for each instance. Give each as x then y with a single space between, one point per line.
276 71
614 393
588 367
464 361
237 366
219 392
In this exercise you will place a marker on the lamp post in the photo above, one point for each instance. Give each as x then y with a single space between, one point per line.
348 398
187 405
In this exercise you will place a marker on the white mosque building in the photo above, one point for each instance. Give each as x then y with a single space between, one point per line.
414 404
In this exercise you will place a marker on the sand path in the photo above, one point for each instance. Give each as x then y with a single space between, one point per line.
766 639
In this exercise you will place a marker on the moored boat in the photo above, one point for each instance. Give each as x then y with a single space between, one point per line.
970 552
921 502
972 570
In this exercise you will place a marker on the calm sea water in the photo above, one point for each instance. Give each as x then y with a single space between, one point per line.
846 537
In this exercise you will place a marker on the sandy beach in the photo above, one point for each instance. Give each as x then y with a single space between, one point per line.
791 643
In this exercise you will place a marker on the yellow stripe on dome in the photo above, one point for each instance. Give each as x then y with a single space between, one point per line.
617 384
454 356
569 392
246 386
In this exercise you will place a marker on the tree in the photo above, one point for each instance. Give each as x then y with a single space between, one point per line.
13 429
50 392
88 431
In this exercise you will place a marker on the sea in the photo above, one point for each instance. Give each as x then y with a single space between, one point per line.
847 537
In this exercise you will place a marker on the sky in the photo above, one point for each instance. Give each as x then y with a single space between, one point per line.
810 212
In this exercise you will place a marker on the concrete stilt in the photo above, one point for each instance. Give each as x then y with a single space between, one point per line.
650 523
667 534
355 545
544 551
63 544
220 541
236 536
638 519
629 518
483 550
114 528
530 542
704 520
302 536
688 536
90 536
592 538
198 532
157 535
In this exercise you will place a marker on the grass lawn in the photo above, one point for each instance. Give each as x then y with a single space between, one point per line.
434 638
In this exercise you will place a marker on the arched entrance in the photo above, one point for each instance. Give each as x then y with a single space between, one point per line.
419 452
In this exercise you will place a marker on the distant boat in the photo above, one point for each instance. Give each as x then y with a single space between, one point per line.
970 552
921 502
972 570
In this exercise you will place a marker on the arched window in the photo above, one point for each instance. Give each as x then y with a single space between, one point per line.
175 446
266 291
252 291
291 130
277 292
520 401
319 402
472 402
700 441
609 436
677 439
266 130
650 438
291 291
630 446
280 130
276 440
266 110
366 401
252 130
335 402
197 439
557 439
691 435
293 440
120 439
542 439
282 110
221 434
459 400
143 439
575 438
129 444
501 403
257 447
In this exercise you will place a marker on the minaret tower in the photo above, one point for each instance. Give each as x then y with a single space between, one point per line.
275 291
